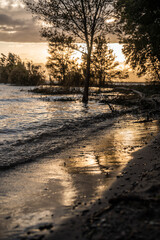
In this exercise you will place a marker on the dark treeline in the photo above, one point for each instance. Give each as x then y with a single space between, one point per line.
66 71
79 21
14 71
136 22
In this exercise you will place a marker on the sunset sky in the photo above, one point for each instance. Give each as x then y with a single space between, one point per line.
19 33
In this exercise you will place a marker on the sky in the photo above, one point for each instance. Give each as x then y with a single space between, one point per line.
17 24
19 33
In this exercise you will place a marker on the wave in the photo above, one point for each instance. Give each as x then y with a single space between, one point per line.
51 141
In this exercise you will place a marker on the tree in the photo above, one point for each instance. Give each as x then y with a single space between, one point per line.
81 19
19 75
139 23
61 62
14 71
7 64
3 69
36 75
103 61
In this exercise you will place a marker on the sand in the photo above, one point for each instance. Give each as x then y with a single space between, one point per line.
130 209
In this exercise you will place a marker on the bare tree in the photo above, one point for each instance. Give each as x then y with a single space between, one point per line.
80 20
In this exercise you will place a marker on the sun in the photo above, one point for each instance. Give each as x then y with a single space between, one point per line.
117 51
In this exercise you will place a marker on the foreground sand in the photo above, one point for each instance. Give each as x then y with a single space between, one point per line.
130 209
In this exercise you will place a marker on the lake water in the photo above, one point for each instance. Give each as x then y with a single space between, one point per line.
71 155
27 119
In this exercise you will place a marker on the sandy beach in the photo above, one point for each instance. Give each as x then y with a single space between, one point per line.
130 209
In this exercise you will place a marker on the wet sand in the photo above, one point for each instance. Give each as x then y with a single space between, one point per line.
130 209
64 197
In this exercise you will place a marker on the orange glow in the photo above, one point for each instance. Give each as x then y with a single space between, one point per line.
37 52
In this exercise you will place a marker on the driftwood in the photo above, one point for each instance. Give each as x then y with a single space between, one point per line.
140 94
152 102
150 105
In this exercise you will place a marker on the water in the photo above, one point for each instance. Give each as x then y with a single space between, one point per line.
77 153
27 118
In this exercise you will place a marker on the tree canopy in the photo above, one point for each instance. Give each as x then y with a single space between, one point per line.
140 32
80 20
63 67
103 61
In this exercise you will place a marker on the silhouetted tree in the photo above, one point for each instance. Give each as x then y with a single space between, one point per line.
103 61
80 19
139 23
13 70
3 69
61 61
36 74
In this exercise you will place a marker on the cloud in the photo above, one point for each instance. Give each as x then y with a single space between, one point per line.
17 24
7 20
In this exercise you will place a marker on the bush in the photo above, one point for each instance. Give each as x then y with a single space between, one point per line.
14 71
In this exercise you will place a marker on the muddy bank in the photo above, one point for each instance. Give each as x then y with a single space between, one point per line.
130 209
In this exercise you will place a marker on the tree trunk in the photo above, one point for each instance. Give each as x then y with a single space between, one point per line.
87 79
100 81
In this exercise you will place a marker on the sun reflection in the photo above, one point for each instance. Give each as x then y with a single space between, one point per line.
110 20
46 189
37 191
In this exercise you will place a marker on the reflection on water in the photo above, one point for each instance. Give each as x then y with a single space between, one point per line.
47 190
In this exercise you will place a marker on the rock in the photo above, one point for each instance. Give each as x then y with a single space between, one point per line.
45 226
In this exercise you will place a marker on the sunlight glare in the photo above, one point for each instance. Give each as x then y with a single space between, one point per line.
117 51
111 20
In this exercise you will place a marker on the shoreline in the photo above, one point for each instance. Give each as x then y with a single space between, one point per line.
130 209
49 201
79 130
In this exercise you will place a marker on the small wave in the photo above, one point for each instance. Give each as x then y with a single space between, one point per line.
52 141
7 131
3 117
15 100
60 99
